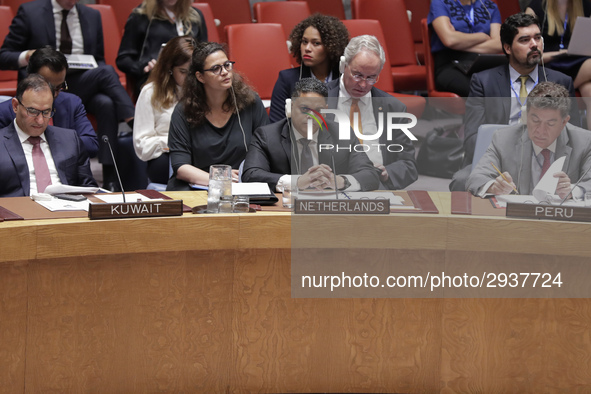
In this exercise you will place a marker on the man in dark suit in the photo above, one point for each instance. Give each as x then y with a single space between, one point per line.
69 110
395 158
77 29
496 94
284 148
34 155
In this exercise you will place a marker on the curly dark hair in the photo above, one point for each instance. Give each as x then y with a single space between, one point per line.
333 33
194 96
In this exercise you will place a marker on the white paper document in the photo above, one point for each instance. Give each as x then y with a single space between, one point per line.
64 205
250 188
129 197
57 189
546 187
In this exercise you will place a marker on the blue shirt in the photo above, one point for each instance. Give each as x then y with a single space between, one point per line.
475 18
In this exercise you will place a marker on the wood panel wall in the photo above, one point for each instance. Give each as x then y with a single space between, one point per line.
223 320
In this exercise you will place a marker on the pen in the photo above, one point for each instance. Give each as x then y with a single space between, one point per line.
505 178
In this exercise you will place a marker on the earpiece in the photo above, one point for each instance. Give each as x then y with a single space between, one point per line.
542 44
288 108
342 64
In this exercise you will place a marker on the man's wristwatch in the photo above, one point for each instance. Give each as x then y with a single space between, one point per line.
347 183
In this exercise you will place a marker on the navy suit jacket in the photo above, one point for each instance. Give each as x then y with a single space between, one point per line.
269 156
69 114
401 166
283 89
34 27
69 156
489 101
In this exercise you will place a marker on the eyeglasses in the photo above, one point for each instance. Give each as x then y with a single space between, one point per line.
33 112
217 69
359 77
61 87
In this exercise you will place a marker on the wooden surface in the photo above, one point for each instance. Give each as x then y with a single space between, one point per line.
202 303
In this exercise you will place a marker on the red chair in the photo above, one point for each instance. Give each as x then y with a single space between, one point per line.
419 10
327 7
112 38
260 64
8 79
357 27
230 12
122 9
508 8
212 29
444 100
286 13
406 72
14 4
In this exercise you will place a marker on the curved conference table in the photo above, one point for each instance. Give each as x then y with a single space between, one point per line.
202 303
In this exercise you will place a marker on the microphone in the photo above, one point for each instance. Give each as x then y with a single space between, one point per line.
573 188
106 139
334 174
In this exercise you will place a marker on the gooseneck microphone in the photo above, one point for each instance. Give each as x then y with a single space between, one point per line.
573 188
106 139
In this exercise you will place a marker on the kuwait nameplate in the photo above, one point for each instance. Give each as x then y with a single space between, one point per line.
342 207
140 209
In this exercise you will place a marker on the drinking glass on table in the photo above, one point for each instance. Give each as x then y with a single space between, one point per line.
220 184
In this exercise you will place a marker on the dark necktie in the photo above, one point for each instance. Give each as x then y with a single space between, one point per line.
546 164
307 160
65 38
42 176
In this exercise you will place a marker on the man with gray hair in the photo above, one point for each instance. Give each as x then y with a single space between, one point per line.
523 153
393 159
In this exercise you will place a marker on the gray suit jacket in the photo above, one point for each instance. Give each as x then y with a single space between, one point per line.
511 150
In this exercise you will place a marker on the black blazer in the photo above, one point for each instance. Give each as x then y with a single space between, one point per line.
69 156
401 167
34 27
489 101
270 156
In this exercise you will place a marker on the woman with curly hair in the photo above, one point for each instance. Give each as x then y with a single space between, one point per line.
156 103
317 43
214 120
151 24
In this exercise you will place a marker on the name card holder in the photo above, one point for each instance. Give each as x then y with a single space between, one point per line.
549 212
342 207
140 209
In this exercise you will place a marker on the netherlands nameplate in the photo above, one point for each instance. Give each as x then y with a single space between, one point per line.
342 207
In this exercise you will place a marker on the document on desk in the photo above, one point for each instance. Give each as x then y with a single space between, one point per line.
57 204
60 188
129 197
250 188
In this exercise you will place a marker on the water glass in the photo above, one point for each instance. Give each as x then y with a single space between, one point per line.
287 197
220 184
241 204
226 204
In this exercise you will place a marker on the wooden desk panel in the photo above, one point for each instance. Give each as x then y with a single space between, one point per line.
203 304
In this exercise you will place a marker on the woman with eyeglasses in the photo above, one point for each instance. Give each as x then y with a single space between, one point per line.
461 30
156 103
149 26
214 121
317 43
557 20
